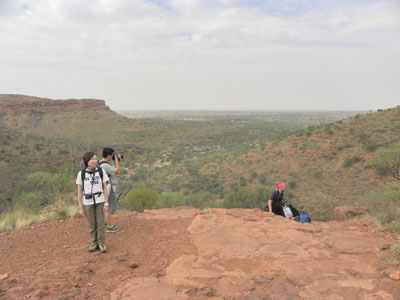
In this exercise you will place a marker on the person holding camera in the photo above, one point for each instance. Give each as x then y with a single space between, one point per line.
112 172
93 199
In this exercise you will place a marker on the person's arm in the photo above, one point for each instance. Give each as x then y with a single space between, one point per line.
105 189
270 205
117 159
80 196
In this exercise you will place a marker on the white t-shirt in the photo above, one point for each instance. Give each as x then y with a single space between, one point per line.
92 182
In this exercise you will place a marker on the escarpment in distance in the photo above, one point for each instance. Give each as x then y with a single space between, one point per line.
32 105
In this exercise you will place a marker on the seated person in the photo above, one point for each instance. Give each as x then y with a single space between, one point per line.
304 218
275 201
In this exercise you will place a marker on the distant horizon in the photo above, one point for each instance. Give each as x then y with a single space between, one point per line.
236 111
194 110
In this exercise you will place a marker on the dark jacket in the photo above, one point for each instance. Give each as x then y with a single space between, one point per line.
276 198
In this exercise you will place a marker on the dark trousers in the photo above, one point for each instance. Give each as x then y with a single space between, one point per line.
277 210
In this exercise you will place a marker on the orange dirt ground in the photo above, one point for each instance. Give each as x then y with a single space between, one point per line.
186 254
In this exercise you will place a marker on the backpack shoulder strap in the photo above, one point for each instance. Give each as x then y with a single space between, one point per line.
83 173
101 173
101 176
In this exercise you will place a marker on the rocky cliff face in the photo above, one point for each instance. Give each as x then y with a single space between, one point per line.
23 105
47 116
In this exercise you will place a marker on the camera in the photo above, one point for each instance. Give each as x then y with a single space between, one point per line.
119 156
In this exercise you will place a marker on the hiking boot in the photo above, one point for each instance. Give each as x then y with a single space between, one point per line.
103 248
112 228
93 247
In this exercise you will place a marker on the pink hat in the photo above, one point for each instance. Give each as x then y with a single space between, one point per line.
281 186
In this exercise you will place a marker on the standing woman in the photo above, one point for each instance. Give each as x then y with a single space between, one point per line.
276 200
93 200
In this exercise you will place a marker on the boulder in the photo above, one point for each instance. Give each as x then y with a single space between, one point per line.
346 212
3 276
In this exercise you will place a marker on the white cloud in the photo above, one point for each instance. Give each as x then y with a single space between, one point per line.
198 54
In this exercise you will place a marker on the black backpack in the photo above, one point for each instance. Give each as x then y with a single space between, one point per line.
83 173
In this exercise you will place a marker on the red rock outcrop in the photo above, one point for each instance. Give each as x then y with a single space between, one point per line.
346 212
249 254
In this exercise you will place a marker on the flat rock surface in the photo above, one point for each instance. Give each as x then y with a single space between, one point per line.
169 213
183 253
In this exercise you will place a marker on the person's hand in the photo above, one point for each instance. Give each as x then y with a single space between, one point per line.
81 211
105 208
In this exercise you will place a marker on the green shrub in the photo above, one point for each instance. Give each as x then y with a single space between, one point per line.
243 181
347 145
32 201
387 161
262 179
371 146
168 200
317 174
63 151
234 187
292 184
39 189
348 162
384 204
202 200
263 195
321 206
246 198
19 219
328 130
140 199
363 137
5 203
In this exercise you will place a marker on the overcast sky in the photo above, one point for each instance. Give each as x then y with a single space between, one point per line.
204 55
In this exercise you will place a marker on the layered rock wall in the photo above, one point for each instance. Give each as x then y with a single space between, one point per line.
32 106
